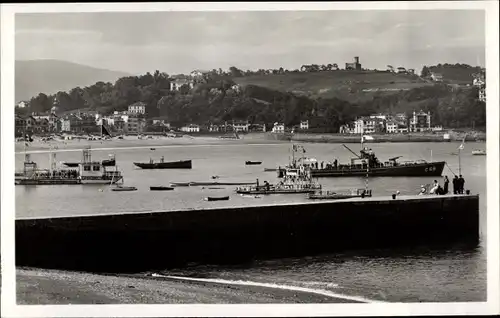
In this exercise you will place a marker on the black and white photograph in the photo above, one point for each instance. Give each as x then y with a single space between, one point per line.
267 154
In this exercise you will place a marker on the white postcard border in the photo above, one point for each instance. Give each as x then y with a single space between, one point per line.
9 307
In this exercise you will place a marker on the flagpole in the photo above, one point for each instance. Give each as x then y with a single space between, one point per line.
459 161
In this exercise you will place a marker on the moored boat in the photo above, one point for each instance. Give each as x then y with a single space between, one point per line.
180 184
293 181
124 188
88 172
106 162
204 184
334 195
367 164
478 152
181 164
217 198
161 188
252 163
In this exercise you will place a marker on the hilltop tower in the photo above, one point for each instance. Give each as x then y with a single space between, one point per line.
353 66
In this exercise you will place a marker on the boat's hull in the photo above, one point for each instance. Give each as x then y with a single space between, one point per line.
105 163
124 189
205 184
479 153
183 164
434 169
62 181
278 191
217 199
253 163
335 196
161 188
100 180
46 181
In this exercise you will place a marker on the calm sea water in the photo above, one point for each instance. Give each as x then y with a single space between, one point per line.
455 274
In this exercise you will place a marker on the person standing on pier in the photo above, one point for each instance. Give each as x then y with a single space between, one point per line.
446 183
461 183
455 185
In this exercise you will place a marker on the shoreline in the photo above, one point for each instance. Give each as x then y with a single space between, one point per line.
44 286
260 139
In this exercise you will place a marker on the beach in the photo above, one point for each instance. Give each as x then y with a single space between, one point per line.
132 142
201 140
43 287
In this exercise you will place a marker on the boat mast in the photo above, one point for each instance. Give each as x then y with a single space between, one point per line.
460 148
367 167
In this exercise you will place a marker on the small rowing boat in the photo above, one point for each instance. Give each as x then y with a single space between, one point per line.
270 169
123 188
252 163
217 198
477 152
160 188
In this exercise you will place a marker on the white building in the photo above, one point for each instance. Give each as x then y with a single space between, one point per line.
22 104
160 122
122 115
379 116
137 108
345 129
278 128
65 124
420 122
236 88
135 124
176 84
199 73
391 127
402 129
241 126
436 77
191 128
364 125
304 124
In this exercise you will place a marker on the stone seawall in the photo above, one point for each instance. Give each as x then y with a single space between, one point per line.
158 240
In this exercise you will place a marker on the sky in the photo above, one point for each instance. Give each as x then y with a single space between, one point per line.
179 42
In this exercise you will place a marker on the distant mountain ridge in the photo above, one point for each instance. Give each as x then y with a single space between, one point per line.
50 76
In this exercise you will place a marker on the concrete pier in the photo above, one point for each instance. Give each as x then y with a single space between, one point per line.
158 240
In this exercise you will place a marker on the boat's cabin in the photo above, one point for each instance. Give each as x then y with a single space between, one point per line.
91 169
29 168
96 169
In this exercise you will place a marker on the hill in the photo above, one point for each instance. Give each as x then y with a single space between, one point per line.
352 86
276 98
455 73
50 76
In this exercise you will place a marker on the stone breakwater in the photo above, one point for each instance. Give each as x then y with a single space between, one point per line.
133 242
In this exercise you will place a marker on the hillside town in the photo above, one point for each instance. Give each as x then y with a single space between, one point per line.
136 119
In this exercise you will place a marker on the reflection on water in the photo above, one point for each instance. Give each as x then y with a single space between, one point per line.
419 275
457 274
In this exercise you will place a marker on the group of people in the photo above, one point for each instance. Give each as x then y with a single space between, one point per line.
458 186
